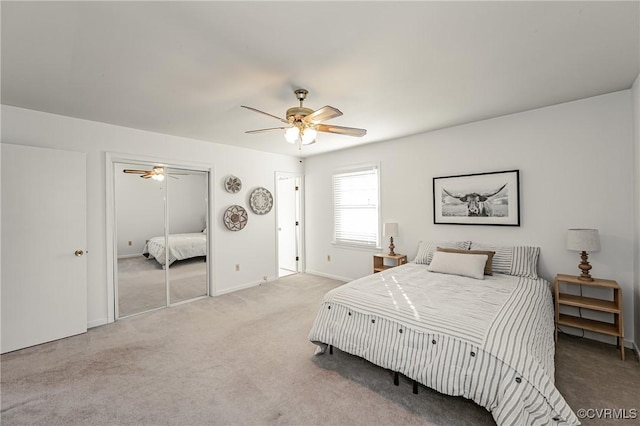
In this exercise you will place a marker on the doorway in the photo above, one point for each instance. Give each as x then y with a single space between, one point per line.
161 238
289 223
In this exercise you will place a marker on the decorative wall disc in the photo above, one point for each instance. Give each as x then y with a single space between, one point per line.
261 201
235 218
232 184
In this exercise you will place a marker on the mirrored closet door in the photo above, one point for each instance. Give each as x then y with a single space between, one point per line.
161 236
187 215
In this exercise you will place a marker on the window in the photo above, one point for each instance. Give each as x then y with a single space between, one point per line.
355 206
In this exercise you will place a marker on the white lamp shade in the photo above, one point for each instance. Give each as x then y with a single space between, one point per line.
583 240
308 136
390 230
292 134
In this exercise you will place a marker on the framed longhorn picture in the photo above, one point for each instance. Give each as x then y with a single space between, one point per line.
477 199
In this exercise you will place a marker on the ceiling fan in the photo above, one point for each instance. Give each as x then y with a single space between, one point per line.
304 123
156 173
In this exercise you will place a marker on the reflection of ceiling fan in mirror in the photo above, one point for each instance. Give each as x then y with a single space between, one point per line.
157 173
304 123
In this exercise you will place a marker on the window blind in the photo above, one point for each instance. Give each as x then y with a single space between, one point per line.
355 207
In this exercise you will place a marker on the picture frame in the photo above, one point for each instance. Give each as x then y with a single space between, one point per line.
491 198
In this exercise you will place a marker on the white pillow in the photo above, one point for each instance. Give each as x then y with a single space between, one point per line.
466 265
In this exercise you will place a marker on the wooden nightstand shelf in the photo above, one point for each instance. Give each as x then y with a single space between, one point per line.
379 265
611 306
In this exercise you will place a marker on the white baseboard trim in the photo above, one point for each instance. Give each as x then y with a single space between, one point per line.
97 323
333 277
636 349
241 287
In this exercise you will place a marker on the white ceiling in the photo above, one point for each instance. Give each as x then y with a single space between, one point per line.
394 68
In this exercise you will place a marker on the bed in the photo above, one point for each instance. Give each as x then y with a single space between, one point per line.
181 246
488 339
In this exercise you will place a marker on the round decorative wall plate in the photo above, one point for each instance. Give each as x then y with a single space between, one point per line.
232 184
235 218
261 201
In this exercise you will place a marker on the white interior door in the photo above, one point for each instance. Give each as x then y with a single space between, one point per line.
287 225
44 267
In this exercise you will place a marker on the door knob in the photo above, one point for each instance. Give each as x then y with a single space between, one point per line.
79 252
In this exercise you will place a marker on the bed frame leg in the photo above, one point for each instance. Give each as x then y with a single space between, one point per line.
415 387
330 349
396 378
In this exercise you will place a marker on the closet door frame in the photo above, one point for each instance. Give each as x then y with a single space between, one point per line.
111 231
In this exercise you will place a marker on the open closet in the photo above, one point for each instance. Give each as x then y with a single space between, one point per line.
161 236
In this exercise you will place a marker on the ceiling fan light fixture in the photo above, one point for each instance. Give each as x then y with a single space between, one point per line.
308 135
158 173
292 134
304 123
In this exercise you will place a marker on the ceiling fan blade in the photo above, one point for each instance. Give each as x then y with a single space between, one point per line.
323 114
145 176
265 113
349 131
135 171
266 130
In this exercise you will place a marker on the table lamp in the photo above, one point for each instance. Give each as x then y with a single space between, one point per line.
391 230
583 240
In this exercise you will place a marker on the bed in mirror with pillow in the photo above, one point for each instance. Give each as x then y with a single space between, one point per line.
464 318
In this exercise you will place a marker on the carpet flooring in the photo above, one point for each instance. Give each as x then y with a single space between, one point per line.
244 359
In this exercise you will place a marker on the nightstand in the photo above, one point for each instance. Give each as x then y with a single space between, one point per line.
395 260
594 304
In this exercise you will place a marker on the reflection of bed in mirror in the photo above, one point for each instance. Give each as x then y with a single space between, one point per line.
181 247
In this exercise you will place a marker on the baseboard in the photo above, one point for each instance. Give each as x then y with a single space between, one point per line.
333 277
97 323
242 287
636 350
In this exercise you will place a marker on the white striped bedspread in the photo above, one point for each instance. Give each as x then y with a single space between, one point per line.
487 340
181 246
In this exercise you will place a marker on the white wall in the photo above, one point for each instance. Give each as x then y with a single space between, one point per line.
254 248
636 136
576 170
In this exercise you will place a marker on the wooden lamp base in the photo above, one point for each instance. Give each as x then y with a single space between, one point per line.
585 267
393 253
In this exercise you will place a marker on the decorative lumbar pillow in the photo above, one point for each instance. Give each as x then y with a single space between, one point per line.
427 248
466 265
487 267
520 261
